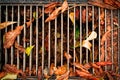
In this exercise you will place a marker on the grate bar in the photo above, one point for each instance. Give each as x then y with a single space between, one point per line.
112 38
12 29
36 39
18 37
56 41
49 43
61 39
80 34
24 44
87 32
30 57
106 40
99 32
93 40
6 18
43 39
74 53
68 34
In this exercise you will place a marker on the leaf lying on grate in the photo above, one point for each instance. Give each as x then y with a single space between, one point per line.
50 7
11 36
104 63
60 70
64 6
64 76
84 74
28 50
5 24
9 76
12 69
2 74
19 47
53 15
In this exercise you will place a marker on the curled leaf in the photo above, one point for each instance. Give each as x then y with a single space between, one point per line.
87 44
53 15
92 36
9 76
5 24
64 6
71 15
28 50
64 76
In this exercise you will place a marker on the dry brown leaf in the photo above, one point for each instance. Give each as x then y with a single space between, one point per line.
50 7
19 47
61 70
5 24
84 74
53 15
101 4
64 6
51 72
65 76
29 22
81 67
11 36
103 63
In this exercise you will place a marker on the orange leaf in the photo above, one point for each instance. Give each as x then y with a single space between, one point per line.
53 15
64 6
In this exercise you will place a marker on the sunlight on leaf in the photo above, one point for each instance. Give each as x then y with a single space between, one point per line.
92 36
5 24
86 44
9 77
28 50
71 15
34 15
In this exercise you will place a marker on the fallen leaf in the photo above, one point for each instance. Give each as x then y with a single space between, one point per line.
5 24
103 63
53 15
50 7
64 76
45 72
11 36
29 22
51 72
28 50
71 15
2 74
81 67
92 36
9 76
19 47
84 74
61 70
64 6
86 44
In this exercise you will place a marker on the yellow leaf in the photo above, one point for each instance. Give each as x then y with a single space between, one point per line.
9 76
86 44
28 50
71 15
5 24
92 36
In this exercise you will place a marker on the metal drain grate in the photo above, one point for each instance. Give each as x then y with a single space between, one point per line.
56 37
